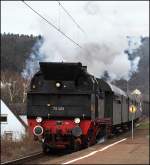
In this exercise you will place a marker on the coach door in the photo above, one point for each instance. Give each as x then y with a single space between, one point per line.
101 105
124 110
116 109
108 104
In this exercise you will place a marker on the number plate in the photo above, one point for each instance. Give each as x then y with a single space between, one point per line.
55 108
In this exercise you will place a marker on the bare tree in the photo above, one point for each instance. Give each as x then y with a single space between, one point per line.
13 87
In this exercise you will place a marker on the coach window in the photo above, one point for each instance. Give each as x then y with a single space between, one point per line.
117 99
3 118
101 94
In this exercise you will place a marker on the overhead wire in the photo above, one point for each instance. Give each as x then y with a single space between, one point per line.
59 16
81 29
51 24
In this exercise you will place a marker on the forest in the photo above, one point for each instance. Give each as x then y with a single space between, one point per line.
16 49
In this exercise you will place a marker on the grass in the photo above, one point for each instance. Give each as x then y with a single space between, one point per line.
144 124
15 149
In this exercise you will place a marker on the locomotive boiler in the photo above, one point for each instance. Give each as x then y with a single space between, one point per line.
69 108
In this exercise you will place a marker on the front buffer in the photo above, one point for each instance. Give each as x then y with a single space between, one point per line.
57 134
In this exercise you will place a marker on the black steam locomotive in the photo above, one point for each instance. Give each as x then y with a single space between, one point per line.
69 108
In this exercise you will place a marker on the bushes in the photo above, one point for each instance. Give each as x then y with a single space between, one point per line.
15 149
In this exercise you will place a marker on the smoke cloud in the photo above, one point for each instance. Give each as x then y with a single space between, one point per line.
103 43
32 64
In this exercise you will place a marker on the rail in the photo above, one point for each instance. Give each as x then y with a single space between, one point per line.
24 159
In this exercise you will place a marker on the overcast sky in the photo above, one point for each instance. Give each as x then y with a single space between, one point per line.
106 24
17 18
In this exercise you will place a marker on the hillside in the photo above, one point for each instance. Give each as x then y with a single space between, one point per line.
15 49
140 79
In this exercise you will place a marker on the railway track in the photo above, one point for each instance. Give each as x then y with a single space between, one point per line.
37 157
25 159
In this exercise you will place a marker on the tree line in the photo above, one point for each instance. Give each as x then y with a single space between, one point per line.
16 49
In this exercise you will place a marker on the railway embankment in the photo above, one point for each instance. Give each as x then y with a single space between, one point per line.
11 150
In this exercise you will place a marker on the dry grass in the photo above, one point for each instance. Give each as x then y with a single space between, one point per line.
144 124
15 149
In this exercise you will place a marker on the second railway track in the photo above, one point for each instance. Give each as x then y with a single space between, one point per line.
24 159
35 158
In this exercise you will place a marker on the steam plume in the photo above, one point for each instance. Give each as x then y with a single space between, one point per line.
104 44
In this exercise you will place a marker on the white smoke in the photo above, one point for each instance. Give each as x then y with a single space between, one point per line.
103 44
32 63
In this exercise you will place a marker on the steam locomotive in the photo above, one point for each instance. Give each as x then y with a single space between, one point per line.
69 108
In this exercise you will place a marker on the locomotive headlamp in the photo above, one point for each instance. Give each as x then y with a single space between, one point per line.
38 130
39 119
77 120
33 86
58 84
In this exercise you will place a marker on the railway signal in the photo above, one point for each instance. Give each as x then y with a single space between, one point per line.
132 109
